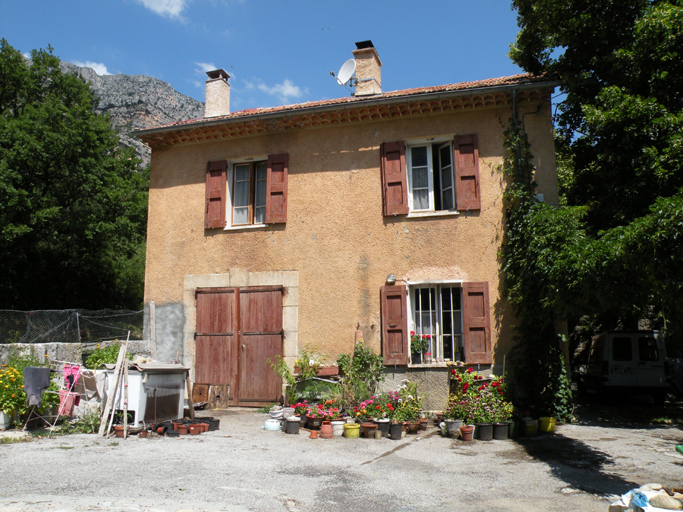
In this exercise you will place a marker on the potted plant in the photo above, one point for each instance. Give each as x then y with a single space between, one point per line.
419 343
12 396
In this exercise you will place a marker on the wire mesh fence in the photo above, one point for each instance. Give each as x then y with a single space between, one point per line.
69 326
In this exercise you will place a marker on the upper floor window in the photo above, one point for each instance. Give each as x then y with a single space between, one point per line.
430 176
246 192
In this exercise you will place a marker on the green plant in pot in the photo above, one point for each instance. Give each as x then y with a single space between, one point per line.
361 372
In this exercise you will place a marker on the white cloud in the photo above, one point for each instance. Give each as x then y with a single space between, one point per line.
203 67
285 91
99 68
167 8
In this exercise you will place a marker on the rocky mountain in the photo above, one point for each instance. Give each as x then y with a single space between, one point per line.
135 102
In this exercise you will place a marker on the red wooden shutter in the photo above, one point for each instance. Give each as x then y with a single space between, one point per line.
466 159
394 325
276 188
394 182
216 191
477 324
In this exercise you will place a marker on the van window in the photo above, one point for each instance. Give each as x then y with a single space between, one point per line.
621 349
647 349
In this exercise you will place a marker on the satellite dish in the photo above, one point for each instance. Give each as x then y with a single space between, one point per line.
346 72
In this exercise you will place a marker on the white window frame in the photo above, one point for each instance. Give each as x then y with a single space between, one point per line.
230 192
429 143
437 355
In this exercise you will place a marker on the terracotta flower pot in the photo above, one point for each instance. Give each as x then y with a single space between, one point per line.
326 431
195 430
466 432
369 430
182 430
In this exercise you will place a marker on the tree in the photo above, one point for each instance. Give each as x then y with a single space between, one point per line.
611 253
73 204
620 134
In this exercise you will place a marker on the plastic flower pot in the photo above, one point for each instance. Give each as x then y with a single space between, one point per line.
396 431
500 431
484 431
352 430
547 424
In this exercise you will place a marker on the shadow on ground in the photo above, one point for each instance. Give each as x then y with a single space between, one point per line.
579 465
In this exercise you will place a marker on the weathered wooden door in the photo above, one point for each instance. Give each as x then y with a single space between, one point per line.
260 340
238 331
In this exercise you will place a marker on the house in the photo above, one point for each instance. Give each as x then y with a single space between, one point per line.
320 223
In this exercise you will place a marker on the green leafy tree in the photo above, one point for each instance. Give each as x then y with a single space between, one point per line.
73 204
620 145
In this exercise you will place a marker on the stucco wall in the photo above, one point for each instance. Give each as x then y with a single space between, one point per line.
336 237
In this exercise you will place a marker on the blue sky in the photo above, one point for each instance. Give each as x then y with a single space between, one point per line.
277 52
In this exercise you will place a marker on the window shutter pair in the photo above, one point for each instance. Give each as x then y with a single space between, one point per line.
395 177
476 325
276 191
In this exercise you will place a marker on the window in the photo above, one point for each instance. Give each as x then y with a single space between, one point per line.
453 317
430 177
647 349
246 193
436 315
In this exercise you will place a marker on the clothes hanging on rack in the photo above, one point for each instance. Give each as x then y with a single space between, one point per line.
36 381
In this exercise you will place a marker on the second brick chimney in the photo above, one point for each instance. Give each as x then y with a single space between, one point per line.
217 97
368 69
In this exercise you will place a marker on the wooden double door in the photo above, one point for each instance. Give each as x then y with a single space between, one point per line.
238 331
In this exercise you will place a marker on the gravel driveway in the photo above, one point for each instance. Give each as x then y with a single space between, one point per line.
242 467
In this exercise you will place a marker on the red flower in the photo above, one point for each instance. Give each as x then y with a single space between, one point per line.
428 336
412 333
390 406
464 387
469 370
452 372
379 407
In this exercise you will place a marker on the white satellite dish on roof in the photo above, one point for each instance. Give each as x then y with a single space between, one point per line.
346 72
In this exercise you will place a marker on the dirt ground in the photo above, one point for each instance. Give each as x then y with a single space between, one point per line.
242 467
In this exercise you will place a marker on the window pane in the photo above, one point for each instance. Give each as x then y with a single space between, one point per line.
647 349
421 199
241 216
418 156
260 215
260 199
445 155
242 172
420 177
241 193
621 349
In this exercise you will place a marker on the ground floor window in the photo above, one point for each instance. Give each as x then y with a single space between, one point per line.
436 314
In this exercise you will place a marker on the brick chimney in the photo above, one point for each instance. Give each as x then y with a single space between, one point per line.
217 101
368 69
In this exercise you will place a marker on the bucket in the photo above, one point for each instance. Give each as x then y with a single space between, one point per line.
351 430
271 425
293 425
338 427
547 424
530 427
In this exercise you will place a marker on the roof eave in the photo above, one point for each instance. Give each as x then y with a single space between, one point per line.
379 100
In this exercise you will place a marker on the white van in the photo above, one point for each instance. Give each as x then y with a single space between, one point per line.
629 362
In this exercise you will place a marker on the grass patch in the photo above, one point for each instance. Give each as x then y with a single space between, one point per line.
12 440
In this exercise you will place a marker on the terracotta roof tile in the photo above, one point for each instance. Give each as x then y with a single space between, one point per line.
479 84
